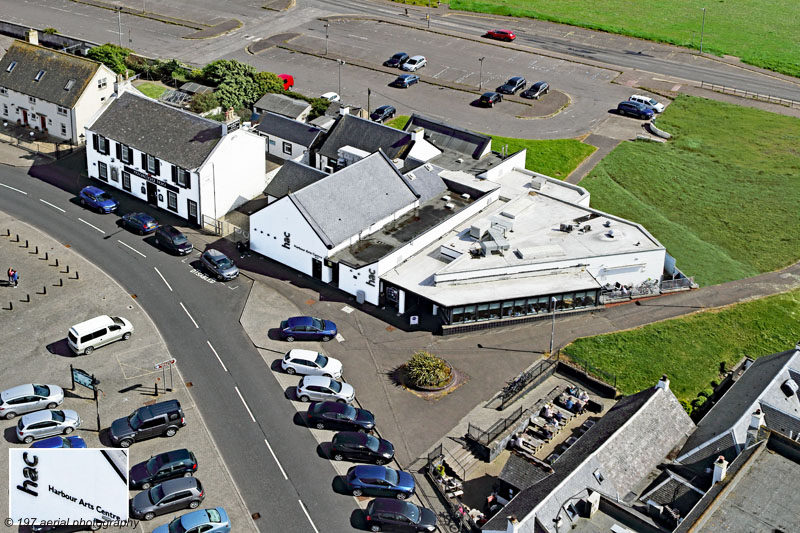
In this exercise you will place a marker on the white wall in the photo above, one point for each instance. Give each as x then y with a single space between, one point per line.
274 147
351 280
93 97
508 164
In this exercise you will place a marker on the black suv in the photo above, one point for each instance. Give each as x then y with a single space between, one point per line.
490 98
335 415
512 85
177 463
163 418
385 513
173 240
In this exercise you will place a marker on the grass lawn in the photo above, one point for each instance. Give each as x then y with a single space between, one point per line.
760 33
689 350
722 196
555 158
153 90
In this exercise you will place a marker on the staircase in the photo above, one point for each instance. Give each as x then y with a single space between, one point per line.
461 456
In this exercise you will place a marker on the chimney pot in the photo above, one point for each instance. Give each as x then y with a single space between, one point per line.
663 383
720 470
757 419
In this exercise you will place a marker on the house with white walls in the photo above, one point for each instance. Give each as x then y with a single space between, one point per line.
288 139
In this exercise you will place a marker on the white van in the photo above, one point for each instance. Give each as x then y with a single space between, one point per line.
83 338
656 106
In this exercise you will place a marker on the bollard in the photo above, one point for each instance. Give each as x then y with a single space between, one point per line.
10 306
76 275
56 262
60 283
44 290
27 298
36 251
155 385
46 257
8 233
67 269
26 243
17 238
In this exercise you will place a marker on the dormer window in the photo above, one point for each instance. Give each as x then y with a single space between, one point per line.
69 85
39 75
11 66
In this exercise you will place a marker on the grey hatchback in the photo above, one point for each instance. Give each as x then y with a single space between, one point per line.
172 495
218 264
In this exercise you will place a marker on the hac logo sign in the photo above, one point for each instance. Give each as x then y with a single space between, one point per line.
30 473
287 240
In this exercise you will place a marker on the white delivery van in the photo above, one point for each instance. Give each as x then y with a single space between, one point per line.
83 338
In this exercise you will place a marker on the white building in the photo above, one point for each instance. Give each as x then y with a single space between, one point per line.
51 91
173 159
288 139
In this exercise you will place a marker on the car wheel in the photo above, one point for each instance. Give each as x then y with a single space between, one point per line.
327 376
336 456
402 495
9 416
375 527
194 505
220 278
126 336
340 401
125 443
28 439
320 425
148 516
362 430
51 405
188 474
305 399
155 240
289 339
291 371
146 486
325 338
171 432
69 430
88 350
141 232
357 492
83 202
380 461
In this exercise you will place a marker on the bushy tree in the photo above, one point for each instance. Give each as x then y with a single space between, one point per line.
110 55
216 72
427 370
203 102
268 82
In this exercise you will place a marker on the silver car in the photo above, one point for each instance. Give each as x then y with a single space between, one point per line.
311 363
219 265
171 495
28 398
46 424
322 389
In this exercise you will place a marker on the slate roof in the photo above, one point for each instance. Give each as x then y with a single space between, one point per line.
426 182
365 135
673 491
444 136
282 105
291 130
292 177
59 67
521 473
780 421
160 130
703 458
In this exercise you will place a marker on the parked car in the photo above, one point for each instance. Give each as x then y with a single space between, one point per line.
321 389
331 97
374 480
634 109
173 240
397 60
340 416
392 515
47 423
219 265
536 90
501 35
161 467
28 398
512 85
651 103
361 447
490 98
414 63
307 328
200 521
311 363
171 495
384 112
141 223
163 418
404 81
288 81
98 199
83 338
73 441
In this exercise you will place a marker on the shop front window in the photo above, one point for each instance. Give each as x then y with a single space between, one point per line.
458 315
578 301
507 308
568 300
483 312
519 308
494 311
469 313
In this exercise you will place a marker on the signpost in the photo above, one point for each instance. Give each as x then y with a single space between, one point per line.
84 379
163 365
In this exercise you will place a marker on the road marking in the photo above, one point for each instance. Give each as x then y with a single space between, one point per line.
363 39
202 276
276 460
132 248
445 69
339 337
13 189
164 280
51 205
303 507
190 316
225 368
347 309
92 226
249 412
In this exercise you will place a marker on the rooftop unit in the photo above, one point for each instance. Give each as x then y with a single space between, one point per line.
349 155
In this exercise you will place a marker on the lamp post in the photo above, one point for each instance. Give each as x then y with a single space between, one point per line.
553 326
327 25
119 25
341 62
702 29
480 79
429 14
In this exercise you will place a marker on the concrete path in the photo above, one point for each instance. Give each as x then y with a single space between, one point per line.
604 147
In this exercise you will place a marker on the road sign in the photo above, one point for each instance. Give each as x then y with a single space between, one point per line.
82 377
164 364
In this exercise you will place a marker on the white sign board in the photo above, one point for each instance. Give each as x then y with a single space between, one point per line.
162 364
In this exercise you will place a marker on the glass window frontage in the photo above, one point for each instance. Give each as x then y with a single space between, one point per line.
522 307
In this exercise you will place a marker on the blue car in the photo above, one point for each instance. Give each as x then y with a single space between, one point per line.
635 109
202 521
98 199
61 442
405 80
307 328
374 480
141 223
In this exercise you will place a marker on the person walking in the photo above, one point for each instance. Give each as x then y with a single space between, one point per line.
14 277
10 271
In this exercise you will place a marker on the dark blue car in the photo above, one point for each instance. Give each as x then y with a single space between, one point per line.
61 442
141 223
635 109
98 199
307 328
405 80
373 480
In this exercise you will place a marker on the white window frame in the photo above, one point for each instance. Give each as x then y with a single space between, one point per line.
4 91
102 83
287 148
102 170
184 176
151 164
127 153
62 110
63 129
172 201
31 100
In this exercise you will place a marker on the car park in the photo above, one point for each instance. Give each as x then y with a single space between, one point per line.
319 388
512 85
47 423
173 240
361 447
384 112
98 199
339 416
635 109
536 90
331 97
163 418
311 363
219 265
200 521
405 80
171 495
161 467
29 398
72 441
375 480
651 103
414 63
501 35
490 98
384 514
83 338
307 328
141 223
397 60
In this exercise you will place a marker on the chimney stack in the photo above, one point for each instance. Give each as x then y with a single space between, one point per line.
417 134
663 383
757 419
32 36
720 470
513 524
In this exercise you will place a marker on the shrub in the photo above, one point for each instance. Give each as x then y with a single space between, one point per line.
50 31
110 55
203 102
687 406
428 370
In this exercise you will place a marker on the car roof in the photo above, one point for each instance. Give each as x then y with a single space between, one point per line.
316 380
351 437
370 471
538 84
416 58
173 231
38 416
398 54
516 78
200 517
51 442
92 324
384 107
503 31
16 392
180 483
301 353
489 93
160 407
141 215
92 189
390 505
301 321
212 252
331 407
177 455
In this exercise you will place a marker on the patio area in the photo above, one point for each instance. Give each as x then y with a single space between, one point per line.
33 139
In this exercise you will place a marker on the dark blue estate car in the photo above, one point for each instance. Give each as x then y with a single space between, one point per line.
635 109
141 223
374 480
73 441
98 199
307 328
405 80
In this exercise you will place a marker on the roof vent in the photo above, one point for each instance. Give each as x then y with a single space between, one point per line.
465 196
607 223
428 167
610 234
411 176
69 84
39 75
11 66
450 206
446 198
537 183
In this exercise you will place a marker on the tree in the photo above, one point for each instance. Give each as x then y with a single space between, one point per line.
427 370
268 82
110 55
218 71
203 102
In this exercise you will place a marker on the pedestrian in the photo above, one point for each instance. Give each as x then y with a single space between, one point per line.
10 271
15 278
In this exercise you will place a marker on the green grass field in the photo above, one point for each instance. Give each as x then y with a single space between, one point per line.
689 350
153 90
722 195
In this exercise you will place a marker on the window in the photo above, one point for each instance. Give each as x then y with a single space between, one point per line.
151 164
126 181
287 148
11 66
62 110
124 153
39 75
271 142
69 84
114 174
181 177
100 144
31 100
3 91
102 171
598 476
63 129
172 201
102 83
5 109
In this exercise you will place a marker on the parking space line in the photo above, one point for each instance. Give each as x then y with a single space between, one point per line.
190 316
249 412
303 507
216 354
162 279
51 205
13 189
92 226
131 248
276 460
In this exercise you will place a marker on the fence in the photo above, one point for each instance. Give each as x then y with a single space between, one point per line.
675 284
485 437
591 370
223 228
46 148
526 381
794 104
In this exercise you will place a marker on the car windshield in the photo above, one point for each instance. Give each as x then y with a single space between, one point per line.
134 420
319 324
213 515
349 412
41 390
391 476
58 416
153 465
412 512
175 526
652 102
117 320
179 239
398 56
372 443
224 262
103 196
321 360
336 386
156 494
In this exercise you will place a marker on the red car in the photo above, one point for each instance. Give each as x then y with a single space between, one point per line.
501 35
288 81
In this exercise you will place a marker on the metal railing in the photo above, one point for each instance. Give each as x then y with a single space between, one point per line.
524 382
486 436
750 94
680 283
52 149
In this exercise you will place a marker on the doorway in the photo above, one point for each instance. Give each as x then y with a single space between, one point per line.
25 117
152 194
191 208
334 272
316 269
43 120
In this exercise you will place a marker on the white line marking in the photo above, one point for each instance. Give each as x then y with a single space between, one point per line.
225 368
13 189
303 507
363 39
190 316
276 460
339 337
347 309
51 205
132 248
92 226
164 280
249 412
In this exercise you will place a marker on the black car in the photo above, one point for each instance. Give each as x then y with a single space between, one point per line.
384 112
163 418
536 90
361 447
634 109
512 85
397 515
397 60
173 240
161 467
404 81
335 415
490 98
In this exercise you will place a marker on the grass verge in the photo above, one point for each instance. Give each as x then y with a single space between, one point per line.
153 90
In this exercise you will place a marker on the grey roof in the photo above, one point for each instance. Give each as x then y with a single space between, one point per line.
521 473
674 491
196 88
725 445
162 131
444 136
426 182
282 105
292 177
59 67
286 128
780 421
373 185
364 135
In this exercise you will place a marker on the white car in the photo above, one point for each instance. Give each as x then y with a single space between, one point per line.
46 424
414 63
331 97
322 389
28 398
311 363
655 105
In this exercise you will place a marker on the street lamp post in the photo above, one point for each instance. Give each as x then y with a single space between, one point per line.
429 14
480 79
702 29
341 62
553 326
119 25
326 37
